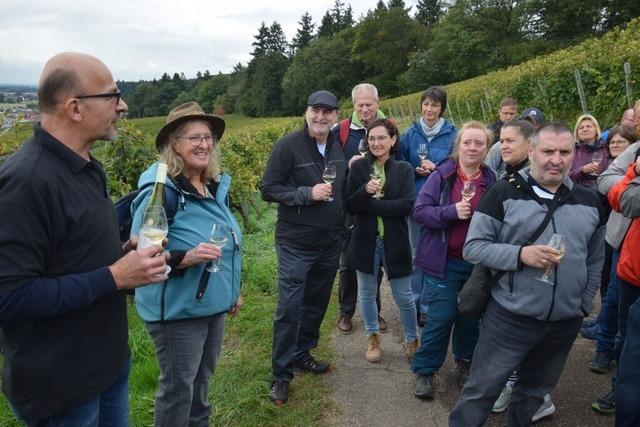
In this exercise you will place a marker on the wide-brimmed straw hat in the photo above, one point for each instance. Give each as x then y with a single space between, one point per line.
183 113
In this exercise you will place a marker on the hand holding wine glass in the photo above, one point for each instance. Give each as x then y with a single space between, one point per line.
596 158
375 173
219 236
328 176
557 242
468 190
154 229
422 152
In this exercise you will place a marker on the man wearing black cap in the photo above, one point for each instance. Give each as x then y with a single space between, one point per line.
309 233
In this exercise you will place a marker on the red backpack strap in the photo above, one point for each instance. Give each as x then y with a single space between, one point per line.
344 131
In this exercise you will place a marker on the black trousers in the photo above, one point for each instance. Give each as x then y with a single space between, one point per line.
305 278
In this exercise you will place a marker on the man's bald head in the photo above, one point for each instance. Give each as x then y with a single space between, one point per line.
66 75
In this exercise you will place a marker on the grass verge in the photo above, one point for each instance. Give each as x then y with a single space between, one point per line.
239 388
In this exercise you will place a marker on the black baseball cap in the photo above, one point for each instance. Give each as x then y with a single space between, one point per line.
533 115
323 98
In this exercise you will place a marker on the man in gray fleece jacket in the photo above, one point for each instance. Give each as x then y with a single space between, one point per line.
529 324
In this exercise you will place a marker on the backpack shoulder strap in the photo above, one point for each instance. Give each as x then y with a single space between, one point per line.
344 131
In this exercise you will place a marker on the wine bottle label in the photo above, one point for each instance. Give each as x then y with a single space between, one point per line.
161 173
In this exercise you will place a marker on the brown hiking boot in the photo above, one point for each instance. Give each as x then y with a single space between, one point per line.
344 325
373 354
412 347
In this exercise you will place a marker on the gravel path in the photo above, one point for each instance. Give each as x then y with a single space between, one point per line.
370 394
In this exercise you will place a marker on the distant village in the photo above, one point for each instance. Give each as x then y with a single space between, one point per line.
18 104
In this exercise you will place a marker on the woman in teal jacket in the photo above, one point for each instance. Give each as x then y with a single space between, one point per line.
185 315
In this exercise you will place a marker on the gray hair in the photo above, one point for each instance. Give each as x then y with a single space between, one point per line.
362 87
553 127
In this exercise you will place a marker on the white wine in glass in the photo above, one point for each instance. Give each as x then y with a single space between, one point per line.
155 228
557 241
422 151
329 175
596 159
219 235
468 190
375 173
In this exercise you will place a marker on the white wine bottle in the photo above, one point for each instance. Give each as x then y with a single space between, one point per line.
154 223
158 197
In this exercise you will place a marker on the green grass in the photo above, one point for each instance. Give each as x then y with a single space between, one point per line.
239 388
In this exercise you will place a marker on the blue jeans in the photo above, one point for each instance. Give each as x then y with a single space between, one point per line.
401 289
187 352
508 341
608 318
109 409
443 316
305 278
417 277
626 393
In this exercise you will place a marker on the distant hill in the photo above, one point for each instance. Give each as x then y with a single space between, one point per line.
16 88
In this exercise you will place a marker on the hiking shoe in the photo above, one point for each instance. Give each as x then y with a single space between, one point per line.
547 408
382 324
600 362
373 354
606 404
426 385
412 347
344 325
279 392
312 365
502 402
590 333
463 367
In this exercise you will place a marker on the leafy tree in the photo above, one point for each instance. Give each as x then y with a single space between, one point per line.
396 3
382 43
429 12
565 22
304 35
261 96
380 6
618 12
324 64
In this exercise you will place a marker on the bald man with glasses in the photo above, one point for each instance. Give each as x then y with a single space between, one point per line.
63 271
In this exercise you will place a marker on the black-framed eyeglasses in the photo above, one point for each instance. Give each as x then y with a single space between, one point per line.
117 95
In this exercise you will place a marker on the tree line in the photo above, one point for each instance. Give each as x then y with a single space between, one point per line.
399 48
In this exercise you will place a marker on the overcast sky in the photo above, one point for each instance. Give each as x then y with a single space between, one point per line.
141 39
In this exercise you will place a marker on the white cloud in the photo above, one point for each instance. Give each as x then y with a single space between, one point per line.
142 39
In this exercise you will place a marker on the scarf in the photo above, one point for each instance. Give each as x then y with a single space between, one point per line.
356 123
431 132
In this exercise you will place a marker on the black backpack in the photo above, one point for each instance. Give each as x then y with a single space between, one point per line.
123 209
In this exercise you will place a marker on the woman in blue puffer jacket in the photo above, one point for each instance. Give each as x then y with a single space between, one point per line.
185 315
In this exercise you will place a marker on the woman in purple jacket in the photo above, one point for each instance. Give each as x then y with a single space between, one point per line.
445 215
592 156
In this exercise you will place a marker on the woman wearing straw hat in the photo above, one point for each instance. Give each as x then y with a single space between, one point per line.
185 315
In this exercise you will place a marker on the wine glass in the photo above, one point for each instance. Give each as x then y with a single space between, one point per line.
422 151
363 147
557 241
596 158
468 190
219 234
154 229
375 173
329 175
